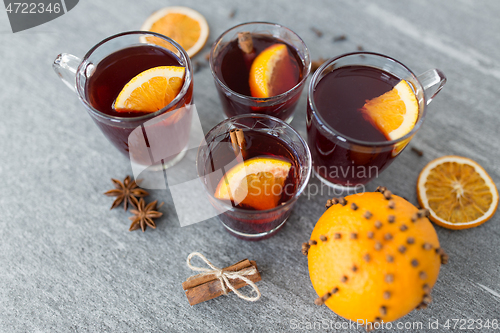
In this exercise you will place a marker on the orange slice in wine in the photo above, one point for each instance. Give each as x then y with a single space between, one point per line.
151 90
272 72
256 183
395 112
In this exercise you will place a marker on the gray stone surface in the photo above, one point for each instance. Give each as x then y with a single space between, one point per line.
68 264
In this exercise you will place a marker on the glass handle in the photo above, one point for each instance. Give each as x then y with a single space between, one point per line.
432 81
65 66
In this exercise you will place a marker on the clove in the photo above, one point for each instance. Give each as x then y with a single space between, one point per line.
426 246
427 299
387 195
417 151
426 288
414 217
331 202
305 248
317 32
444 258
424 213
339 38
383 310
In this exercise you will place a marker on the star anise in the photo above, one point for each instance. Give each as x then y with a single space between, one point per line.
125 192
144 215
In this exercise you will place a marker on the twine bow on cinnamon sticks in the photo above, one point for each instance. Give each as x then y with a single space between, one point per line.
214 281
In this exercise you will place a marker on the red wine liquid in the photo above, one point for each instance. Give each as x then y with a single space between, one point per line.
232 67
341 94
117 69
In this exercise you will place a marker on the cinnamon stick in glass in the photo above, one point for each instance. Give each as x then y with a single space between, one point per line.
245 43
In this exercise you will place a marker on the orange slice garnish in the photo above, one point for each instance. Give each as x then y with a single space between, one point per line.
458 192
272 72
395 112
184 25
151 90
256 183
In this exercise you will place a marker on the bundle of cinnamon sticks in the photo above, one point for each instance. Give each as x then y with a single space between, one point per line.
203 287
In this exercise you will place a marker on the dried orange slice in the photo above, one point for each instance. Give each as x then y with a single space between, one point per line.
151 90
395 112
184 25
271 72
458 192
256 183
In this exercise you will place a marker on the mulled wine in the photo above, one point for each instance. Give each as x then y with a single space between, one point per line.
265 76
253 181
112 73
339 97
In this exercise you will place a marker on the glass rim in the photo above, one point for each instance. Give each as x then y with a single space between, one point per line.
259 99
188 77
297 193
347 139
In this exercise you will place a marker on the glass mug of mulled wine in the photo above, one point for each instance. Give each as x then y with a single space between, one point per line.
157 137
253 168
260 67
362 110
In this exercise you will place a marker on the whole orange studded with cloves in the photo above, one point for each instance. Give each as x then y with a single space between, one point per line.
373 256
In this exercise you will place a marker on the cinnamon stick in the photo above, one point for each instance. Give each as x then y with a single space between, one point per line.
238 142
245 43
212 289
196 280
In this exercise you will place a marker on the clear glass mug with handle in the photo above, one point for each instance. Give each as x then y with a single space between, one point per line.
155 139
343 162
